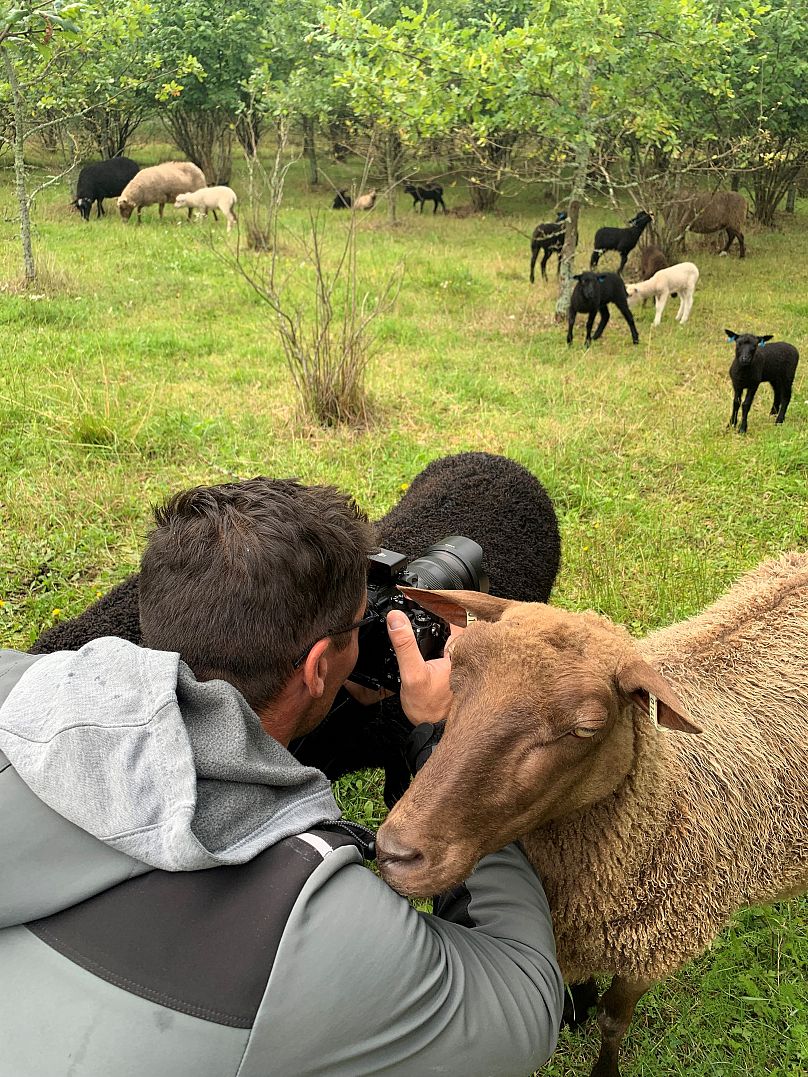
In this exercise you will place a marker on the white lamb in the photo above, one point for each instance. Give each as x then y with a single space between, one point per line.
680 279
211 198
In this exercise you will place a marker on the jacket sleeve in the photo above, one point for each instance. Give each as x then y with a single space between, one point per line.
365 984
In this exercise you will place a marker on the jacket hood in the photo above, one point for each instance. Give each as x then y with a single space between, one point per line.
166 771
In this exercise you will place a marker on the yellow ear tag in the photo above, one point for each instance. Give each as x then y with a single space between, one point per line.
470 618
652 709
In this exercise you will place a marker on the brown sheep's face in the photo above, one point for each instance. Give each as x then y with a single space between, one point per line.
125 208
541 726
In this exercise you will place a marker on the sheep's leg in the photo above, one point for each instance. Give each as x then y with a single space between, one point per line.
776 404
731 234
190 212
659 302
614 1016
162 207
99 208
442 203
570 325
544 261
435 210
593 261
736 403
623 260
534 254
785 398
604 320
747 404
622 306
741 244
590 321
422 205
213 211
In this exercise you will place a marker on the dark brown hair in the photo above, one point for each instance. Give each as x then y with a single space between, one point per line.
240 578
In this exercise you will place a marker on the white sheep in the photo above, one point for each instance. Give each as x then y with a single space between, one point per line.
159 184
211 198
679 279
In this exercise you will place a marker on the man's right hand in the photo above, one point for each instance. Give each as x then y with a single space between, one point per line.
425 692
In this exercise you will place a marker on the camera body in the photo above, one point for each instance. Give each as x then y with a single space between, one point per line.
456 563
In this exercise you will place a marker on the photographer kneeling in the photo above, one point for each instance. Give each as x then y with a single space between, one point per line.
127 770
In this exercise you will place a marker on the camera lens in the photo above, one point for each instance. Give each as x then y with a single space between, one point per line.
455 564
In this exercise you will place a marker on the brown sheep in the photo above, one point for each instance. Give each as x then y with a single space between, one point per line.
365 201
707 213
651 261
160 184
576 739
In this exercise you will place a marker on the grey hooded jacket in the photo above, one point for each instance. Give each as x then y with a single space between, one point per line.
175 899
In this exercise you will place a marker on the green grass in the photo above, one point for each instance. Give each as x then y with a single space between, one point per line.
141 364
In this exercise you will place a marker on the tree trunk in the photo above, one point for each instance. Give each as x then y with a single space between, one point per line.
791 199
583 153
392 167
19 167
310 150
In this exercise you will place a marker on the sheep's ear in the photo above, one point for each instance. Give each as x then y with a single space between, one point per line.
731 337
762 340
455 606
601 277
576 276
655 697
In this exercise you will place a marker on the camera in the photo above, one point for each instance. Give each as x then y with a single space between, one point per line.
455 563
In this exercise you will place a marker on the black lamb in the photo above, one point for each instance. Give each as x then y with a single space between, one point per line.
433 193
489 498
755 361
592 295
342 200
622 240
100 180
547 237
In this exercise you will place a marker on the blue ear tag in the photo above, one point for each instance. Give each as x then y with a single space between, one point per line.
601 278
762 344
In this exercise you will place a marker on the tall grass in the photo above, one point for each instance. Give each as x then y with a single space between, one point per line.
146 365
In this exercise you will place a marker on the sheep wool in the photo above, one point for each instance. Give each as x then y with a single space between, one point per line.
643 881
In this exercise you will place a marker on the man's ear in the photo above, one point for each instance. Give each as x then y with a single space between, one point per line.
649 690
454 606
315 668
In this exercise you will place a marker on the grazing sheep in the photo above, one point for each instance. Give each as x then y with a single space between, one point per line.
547 237
622 240
708 213
100 180
160 184
652 259
433 193
678 279
592 295
777 365
491 499
570 736
342 200
210 198
365 201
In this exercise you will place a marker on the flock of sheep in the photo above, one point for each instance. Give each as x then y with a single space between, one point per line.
594 291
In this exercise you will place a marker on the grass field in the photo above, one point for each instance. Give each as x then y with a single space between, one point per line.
141 363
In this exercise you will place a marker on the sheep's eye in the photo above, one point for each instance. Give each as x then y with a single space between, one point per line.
584 731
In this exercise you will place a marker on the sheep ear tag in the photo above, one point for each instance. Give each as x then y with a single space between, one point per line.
601 278
731 337
655 697
459 607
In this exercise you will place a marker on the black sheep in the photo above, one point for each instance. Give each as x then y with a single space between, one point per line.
100 180
342 200
489 498
592 294
547 237
622 240
433 193
755 361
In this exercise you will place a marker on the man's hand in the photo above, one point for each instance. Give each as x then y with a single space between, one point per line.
425 692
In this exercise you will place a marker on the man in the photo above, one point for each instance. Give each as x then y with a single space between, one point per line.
128 770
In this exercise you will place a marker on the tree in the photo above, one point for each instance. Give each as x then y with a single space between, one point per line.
30 37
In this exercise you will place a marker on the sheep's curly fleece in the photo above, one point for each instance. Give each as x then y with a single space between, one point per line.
642 882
